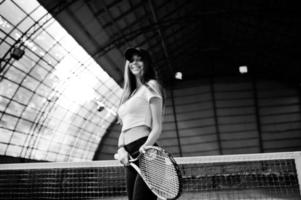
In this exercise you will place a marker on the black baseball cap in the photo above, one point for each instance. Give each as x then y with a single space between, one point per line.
137 51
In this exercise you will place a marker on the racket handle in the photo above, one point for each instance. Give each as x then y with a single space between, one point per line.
116 157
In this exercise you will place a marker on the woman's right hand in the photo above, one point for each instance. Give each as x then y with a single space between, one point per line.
123 156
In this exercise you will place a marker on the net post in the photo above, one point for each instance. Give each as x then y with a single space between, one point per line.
298 169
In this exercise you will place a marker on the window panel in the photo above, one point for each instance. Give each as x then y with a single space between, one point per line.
65 148
25 64
30 112
5 135
58 52
3 147
58 88
43 90
39 52
38 13
25 24
5 25
37 154
15 34
37 102
80 54
53 123
43 143
9 41
60 156
4 101
14 17
8 88
50 60
39 73
18 138
15 108
24 126
15 74
44 40
23 95
45 66
56 30
9 121
50 156
55 144
27 7
14 150
3 50
68 43
69 140
30 82
2 35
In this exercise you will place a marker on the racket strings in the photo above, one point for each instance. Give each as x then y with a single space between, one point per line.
161 183
160 174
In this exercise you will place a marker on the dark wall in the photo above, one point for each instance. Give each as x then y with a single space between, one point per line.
230 115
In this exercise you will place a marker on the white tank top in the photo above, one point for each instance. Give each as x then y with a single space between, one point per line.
136 110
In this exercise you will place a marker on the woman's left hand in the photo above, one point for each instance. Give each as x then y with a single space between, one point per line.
142 149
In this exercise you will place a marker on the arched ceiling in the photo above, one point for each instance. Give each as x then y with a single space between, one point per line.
198 38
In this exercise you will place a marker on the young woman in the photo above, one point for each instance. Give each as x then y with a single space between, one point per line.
140 114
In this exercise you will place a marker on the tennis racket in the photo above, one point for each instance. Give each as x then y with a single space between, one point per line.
159 171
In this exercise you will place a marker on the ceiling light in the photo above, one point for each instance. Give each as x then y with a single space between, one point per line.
17 53
243 69
179 75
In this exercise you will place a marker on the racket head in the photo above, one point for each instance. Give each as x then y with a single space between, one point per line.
160 172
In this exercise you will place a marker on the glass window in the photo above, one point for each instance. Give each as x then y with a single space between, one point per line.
3 50
23 95
25 64
48 96
25 24
30 83
31 112
5 25
38 13
14 150
43 90
44 40
15 74
5 135
55 30
8 88
18 138
3 147
27 7
58 52
69 43
15 108
15 34
39 72
11 12
9 121
80 54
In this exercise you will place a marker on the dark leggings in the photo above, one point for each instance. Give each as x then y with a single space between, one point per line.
136 188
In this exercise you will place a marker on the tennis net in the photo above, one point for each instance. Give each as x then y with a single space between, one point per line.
251 176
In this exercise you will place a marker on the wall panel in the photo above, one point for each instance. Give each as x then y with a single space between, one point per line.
229 116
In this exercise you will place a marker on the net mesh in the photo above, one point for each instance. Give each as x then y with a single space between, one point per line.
258 176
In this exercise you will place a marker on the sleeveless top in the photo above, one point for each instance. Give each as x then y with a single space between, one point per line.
136 110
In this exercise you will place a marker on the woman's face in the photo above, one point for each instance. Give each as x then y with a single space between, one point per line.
136 66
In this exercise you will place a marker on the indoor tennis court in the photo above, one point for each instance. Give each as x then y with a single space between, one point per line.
229 81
